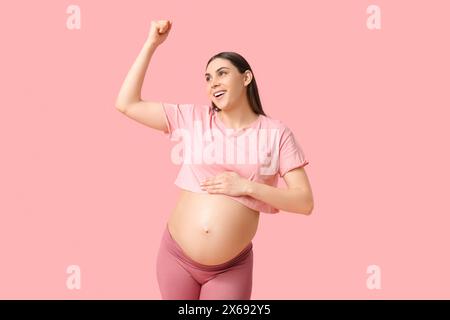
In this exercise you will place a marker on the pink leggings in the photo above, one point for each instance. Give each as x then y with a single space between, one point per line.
181 278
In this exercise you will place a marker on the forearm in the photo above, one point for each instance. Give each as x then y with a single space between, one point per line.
130 91
292 200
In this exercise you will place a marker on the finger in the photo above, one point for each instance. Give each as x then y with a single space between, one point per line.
161 25
210 187
165 25
214 189
211 183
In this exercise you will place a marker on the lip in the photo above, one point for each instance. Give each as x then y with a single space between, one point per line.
220 97
218 91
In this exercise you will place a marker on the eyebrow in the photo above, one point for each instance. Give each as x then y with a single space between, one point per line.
206 74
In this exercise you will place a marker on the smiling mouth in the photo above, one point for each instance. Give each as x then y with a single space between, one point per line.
219 96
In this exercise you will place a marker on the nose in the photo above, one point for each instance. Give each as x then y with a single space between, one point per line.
213 83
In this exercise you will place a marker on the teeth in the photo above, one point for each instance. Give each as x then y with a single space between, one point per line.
218 93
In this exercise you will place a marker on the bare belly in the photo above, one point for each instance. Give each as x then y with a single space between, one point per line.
211 228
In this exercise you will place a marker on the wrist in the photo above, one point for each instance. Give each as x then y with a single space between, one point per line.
249 188
150 44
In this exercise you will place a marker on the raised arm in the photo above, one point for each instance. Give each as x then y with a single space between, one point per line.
129 100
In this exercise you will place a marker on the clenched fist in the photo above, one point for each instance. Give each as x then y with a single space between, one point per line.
159 30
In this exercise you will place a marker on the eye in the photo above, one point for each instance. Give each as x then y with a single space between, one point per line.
220 72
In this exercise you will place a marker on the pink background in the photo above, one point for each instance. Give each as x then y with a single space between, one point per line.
81 184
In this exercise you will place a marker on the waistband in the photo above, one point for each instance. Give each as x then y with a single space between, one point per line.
174 247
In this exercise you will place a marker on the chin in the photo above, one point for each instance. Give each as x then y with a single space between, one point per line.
224 105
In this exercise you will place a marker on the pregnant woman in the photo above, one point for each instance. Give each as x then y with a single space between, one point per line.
232 155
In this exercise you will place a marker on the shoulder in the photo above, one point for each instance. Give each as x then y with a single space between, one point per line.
271 123
189 111
200 110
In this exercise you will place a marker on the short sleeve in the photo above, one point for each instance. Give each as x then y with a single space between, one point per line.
178 116
291 154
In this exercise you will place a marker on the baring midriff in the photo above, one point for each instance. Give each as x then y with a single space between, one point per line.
211 228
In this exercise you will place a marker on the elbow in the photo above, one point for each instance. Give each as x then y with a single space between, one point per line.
304 204
308 207
120 108
306 210
124 105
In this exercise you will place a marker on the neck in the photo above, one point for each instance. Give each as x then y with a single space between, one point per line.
238 117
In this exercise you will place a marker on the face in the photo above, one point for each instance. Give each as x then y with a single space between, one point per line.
221 74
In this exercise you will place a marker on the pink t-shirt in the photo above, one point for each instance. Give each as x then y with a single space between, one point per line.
263 151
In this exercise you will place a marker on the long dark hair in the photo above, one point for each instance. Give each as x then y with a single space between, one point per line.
252 89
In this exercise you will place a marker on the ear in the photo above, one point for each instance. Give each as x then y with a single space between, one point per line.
248 77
